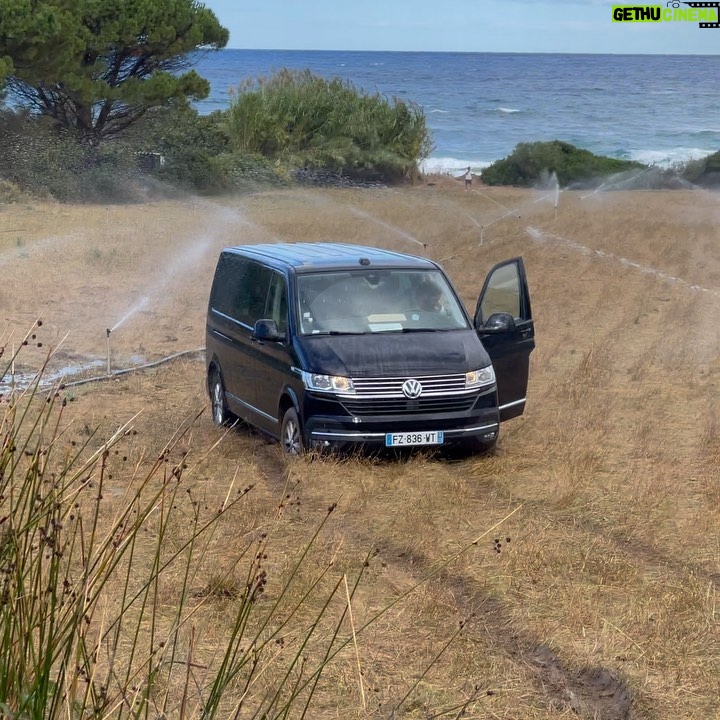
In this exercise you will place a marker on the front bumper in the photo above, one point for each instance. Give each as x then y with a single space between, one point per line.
323 427
487 433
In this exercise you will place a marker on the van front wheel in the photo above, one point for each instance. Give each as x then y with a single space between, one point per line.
290 433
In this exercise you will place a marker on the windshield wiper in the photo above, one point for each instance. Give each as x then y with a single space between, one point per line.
420 329
335 332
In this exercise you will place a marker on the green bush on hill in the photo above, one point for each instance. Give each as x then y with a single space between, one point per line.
198 153
702 171
529 161
303 120
41 160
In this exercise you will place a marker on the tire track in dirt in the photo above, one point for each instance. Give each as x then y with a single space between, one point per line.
275 472
593 693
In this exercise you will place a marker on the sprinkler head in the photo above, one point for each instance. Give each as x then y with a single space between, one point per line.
108 331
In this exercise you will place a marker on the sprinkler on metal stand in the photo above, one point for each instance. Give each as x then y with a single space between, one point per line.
108 331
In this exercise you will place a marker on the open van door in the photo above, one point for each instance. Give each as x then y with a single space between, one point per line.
503 320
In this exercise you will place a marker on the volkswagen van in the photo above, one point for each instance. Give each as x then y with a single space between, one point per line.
331 344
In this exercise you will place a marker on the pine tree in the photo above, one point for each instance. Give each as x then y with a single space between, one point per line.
97 66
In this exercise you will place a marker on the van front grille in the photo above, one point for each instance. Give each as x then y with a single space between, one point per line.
384 396
403 405
392 387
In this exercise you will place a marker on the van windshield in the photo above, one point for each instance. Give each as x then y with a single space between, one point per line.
373 301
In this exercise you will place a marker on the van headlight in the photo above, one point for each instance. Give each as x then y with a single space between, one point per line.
327 383
479 378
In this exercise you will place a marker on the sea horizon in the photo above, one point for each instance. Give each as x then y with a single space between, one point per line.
464 52
653 108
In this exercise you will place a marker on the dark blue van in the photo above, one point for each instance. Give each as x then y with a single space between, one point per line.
329 344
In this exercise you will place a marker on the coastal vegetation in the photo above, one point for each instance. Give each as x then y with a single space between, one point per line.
96 91
275 128
306 121
527 163
290 127
704 172
96 105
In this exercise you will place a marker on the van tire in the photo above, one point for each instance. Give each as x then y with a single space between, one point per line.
291 433
218 404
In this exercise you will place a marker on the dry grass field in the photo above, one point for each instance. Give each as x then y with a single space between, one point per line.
574 572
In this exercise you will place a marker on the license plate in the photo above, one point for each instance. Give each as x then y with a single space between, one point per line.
431 437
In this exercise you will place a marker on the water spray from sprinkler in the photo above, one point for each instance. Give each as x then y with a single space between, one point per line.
553 194
509 211
387 226
502 217
614 185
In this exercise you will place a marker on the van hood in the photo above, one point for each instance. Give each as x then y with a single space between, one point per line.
393 354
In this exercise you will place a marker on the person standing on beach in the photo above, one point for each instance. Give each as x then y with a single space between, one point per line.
468 178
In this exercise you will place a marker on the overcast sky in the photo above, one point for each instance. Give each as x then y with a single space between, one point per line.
570 26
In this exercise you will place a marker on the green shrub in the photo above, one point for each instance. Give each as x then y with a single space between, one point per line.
198 154
293 120
306 121
701 171
249 170
173 130
41 161
38 159
195 171
528 161
10 192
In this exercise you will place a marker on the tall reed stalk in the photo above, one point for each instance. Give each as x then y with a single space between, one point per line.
80 627
84 626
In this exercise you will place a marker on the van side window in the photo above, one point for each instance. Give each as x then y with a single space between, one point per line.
502 293
240 289
252 292
277 309
226 285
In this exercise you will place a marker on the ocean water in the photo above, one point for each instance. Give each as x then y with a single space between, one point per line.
479 106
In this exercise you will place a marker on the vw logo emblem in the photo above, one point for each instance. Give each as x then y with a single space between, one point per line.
411 388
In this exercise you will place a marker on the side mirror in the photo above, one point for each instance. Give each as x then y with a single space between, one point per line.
499 322
266 330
